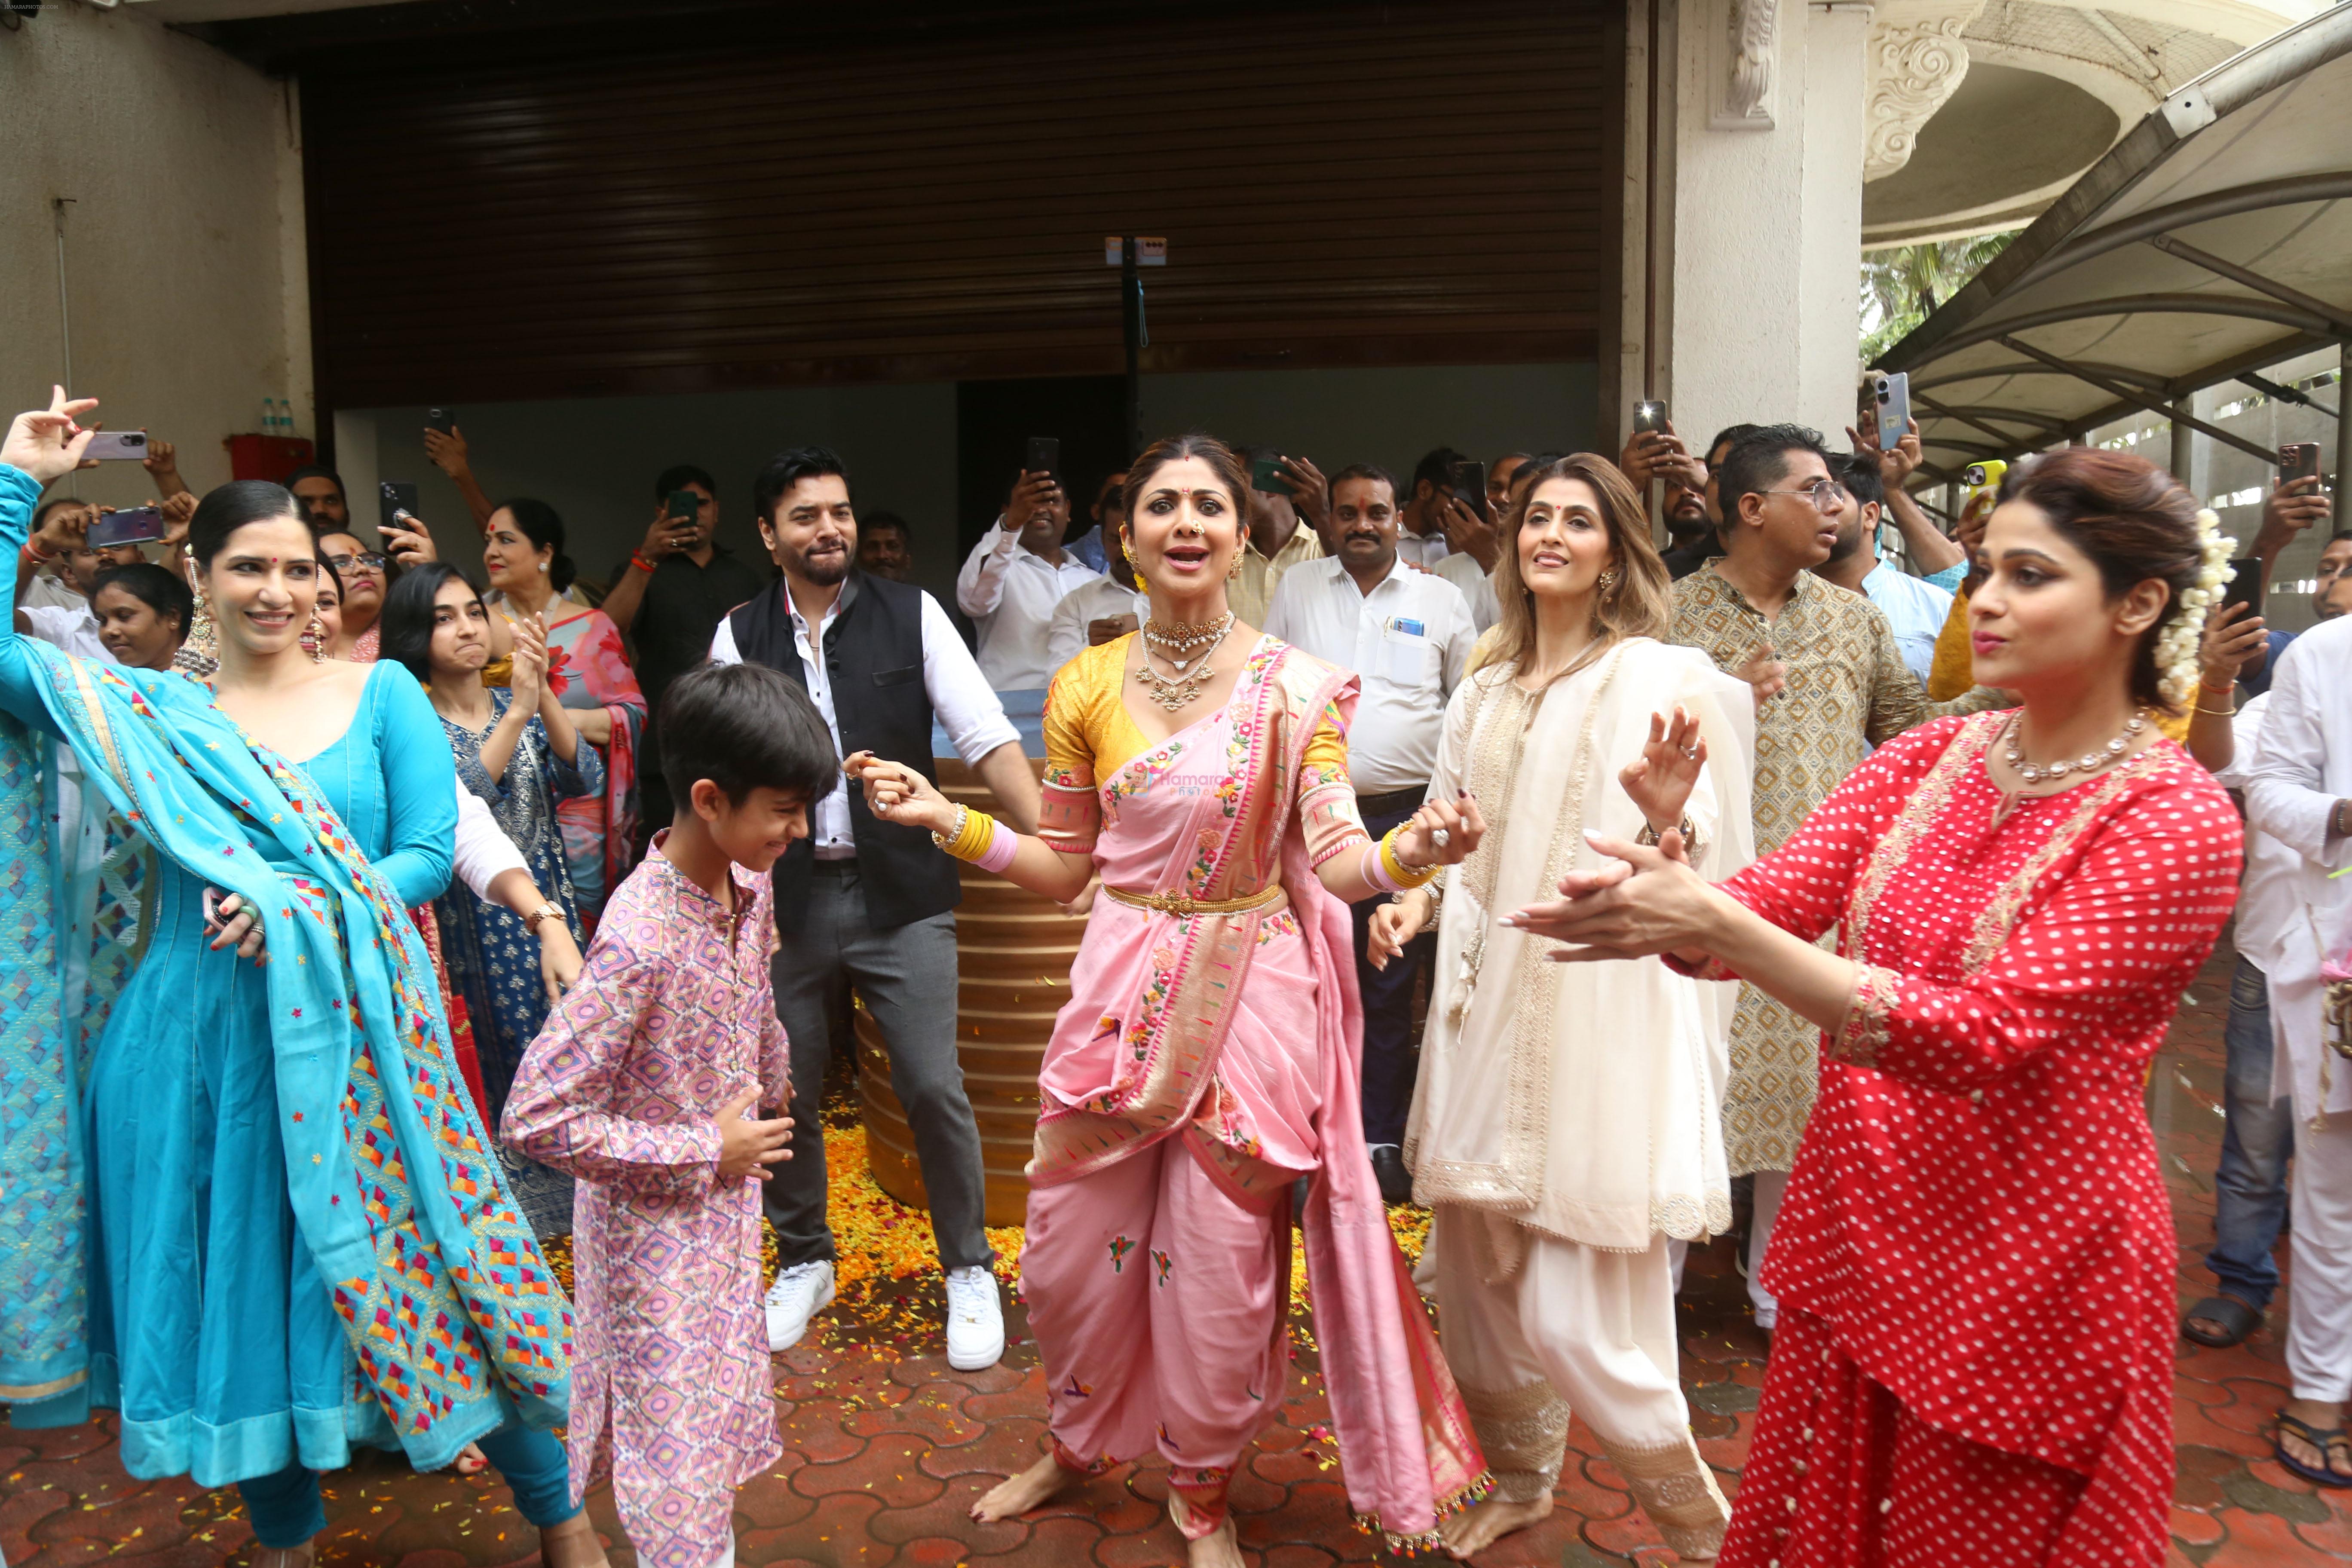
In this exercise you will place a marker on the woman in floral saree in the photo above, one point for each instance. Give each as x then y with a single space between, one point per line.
1207 1058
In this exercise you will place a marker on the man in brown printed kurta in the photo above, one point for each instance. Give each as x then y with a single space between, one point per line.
1841 689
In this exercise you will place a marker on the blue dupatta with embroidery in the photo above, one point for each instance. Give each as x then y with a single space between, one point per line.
453 1316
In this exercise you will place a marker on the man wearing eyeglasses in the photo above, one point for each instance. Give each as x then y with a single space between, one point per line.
1830 684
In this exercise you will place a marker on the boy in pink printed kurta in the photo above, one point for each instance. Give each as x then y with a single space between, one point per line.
649 1084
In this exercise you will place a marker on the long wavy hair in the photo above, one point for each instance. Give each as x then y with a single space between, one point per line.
1637 605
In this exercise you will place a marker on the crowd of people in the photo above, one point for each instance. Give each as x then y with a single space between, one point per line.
1443 839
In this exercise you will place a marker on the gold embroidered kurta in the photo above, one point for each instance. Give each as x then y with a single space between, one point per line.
1848 690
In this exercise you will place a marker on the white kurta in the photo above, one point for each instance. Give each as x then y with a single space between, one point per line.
2302 768
1582 1102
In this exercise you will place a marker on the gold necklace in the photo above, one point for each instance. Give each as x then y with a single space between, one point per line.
1175 691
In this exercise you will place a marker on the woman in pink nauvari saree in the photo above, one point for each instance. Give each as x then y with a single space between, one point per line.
1207 1058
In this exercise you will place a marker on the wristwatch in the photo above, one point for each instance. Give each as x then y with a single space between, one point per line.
547 910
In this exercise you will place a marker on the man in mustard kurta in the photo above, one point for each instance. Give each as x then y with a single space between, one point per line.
1830 684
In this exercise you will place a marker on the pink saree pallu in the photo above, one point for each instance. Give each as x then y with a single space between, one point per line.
1206 1059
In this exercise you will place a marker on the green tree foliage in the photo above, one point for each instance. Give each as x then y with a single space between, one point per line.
1902 286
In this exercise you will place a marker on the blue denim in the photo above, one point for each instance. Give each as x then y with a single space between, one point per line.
286 1511
2250 1189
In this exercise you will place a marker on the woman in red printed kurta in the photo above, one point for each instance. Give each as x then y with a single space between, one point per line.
1975 1260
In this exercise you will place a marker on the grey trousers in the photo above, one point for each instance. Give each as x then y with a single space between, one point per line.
908 976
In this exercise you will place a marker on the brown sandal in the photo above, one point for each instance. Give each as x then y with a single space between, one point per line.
572 1544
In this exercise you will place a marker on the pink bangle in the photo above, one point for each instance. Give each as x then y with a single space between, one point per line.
1003 845
1372 872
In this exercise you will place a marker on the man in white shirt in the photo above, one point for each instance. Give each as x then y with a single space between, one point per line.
1423 519
61 539
1096 613
2299 791
1916 610
1407 635
1014 578
1286 530
865 902
2250 1183
1473 543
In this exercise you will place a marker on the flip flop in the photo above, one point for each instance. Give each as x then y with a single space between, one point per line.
2237 1320
2324 1441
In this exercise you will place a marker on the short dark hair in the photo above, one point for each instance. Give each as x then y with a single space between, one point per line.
1364 471
406 624
161 591
1437 467
1729 436
313 471
41 514
874 519
785 469
1757 461
229 507
677 476
1858 472
743 726
2338 537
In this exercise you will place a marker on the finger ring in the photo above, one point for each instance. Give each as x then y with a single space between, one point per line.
1691 752
1438 836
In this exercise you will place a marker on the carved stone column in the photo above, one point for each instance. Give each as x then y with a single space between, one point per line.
1916 60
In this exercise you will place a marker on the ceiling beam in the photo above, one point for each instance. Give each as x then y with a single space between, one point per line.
2118 390
2337 323
2270 310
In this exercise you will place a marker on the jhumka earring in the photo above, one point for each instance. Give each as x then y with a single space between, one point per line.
1235 570
314 637
202 639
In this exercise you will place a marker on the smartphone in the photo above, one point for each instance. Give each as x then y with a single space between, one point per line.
1470 484
2242 586
2299 461
440 420
1044 457
395 498
115 445
1983 476
1649 414
1267 475
132 525
1893 394
682 507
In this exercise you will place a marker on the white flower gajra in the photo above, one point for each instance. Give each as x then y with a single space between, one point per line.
2177 645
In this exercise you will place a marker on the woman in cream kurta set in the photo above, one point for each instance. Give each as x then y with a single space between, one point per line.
1567 1124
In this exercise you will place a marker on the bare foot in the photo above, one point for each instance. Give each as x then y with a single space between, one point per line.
1016 1495
1476 1528
1218 1549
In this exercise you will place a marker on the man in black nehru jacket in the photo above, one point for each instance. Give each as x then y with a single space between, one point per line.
869 901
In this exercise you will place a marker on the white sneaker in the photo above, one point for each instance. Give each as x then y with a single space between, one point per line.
975 1318
800 1294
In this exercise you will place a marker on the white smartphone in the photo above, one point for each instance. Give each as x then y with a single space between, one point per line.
118 446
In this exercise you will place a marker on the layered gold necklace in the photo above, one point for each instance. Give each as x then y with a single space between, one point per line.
1186 648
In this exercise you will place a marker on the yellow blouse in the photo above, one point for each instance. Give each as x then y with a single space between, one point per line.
1089 729
1090 736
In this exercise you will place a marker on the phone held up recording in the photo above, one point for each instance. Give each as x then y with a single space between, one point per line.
1892 394
132 525
1649 414
117 445
2300 460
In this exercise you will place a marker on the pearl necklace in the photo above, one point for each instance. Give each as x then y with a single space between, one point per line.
2090 762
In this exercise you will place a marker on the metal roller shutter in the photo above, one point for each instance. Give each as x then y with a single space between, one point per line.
1351 185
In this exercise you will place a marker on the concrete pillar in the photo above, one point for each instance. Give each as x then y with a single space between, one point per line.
2184 445
1761 319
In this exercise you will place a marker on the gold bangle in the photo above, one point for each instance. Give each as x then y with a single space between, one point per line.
2217 712
1403 875
974 832
954 836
